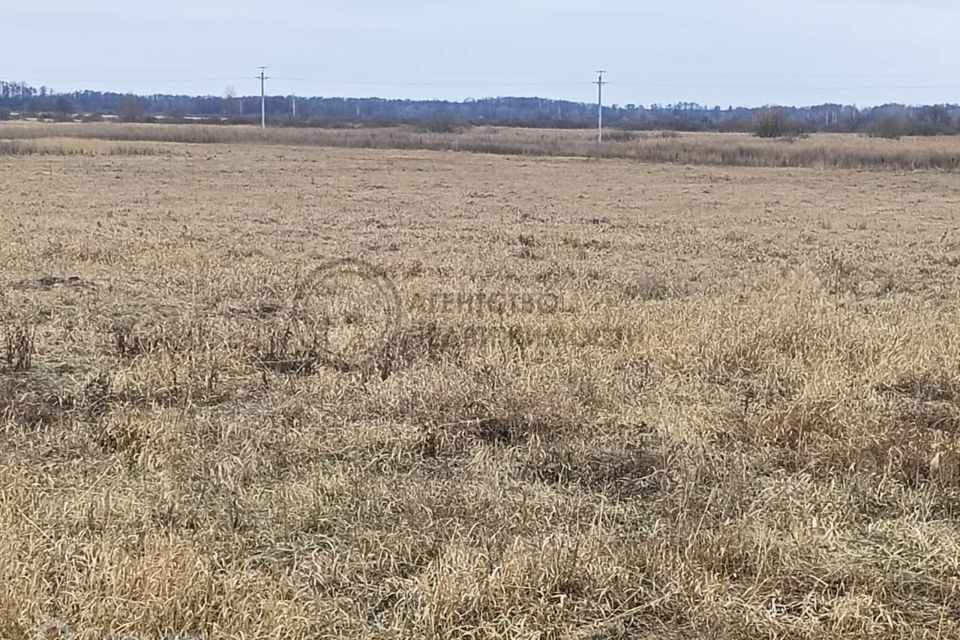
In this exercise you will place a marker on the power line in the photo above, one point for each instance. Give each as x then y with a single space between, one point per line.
380 83
381 72
434 79
127 80
786 87
674 74
512 73
388 83
138 71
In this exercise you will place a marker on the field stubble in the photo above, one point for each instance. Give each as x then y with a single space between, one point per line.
741 422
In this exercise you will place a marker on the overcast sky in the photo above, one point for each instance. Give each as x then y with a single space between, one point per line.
740 52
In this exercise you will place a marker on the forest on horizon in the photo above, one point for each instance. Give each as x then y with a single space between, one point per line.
21 100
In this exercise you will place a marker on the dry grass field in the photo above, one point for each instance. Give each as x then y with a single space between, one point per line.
819 151
740 420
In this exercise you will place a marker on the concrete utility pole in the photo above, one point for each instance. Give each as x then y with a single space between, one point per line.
294 99
600 84
263 97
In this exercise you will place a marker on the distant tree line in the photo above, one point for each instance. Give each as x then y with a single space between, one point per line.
18 99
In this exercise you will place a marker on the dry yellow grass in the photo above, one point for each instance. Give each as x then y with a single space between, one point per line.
741 423
725 149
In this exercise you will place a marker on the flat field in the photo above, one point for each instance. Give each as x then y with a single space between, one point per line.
618 400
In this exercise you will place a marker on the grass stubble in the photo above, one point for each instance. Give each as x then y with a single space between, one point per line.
742 421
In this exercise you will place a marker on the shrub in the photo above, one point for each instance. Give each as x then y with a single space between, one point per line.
736 125
618 135
890 128
938 117
770 123
64 108
131 109
4 114
442 125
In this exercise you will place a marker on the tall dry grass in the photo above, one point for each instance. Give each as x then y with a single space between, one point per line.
734 149
742 421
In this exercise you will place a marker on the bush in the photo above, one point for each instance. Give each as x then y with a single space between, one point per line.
938 117
618 135
64 108
771 123
736 125
442 125
4 114
131 109
890 128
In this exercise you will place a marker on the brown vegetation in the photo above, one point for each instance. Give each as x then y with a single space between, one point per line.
827 151
741 422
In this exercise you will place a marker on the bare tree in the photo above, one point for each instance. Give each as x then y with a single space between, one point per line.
230 103
131 108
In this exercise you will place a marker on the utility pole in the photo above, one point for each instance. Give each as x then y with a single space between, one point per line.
600 84
263 97
294 99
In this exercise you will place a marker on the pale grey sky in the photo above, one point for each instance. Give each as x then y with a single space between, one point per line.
741 52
